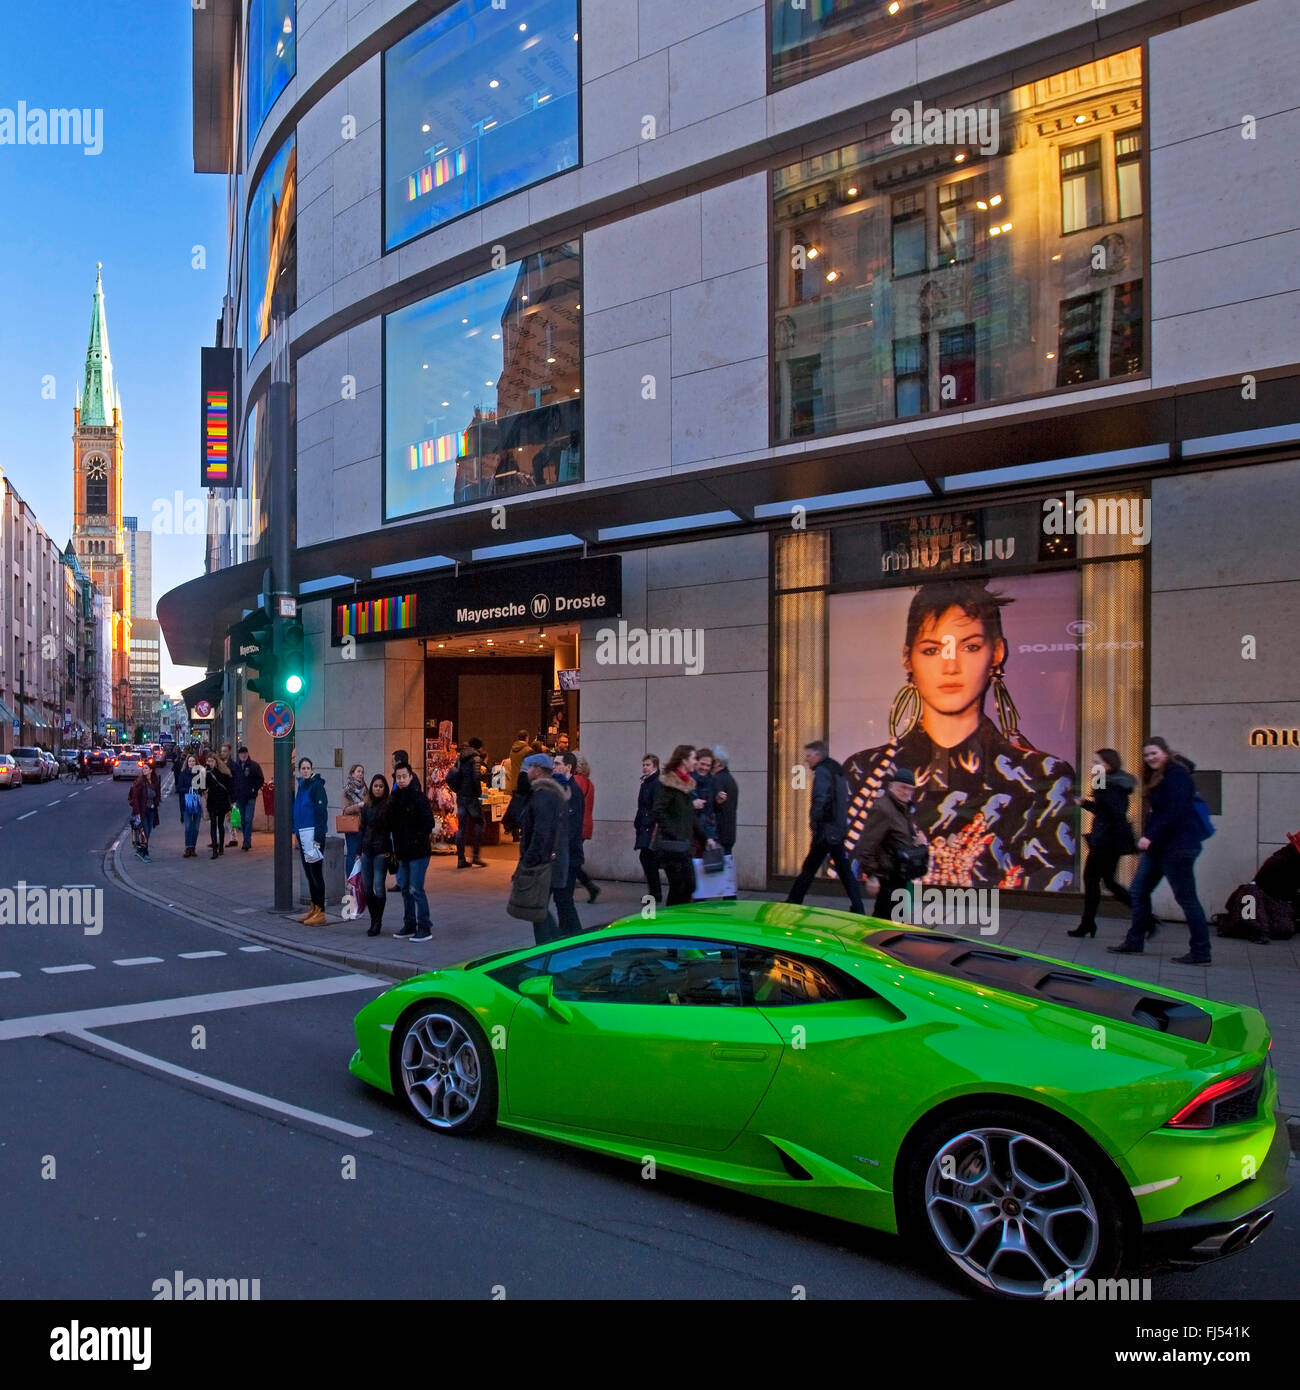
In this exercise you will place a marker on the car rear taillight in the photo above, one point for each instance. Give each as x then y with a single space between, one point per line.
1226 1102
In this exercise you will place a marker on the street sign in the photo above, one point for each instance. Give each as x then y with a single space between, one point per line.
203 710
288 606
278 719
18 728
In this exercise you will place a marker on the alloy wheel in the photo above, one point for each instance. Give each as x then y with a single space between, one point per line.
1011 1212
441 1071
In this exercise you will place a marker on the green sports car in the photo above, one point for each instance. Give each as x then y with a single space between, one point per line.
1034 1124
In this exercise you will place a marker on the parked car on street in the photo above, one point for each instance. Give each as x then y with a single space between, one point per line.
127 767
32 763
11 775
51 765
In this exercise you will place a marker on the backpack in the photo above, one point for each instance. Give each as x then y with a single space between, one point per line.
1203 814
454 777
1250 913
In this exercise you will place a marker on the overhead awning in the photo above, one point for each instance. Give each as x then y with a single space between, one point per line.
7 715
207 691
34 719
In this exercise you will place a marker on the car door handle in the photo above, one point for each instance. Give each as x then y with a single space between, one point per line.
741 1054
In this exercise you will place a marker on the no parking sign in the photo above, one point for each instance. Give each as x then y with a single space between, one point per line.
278 719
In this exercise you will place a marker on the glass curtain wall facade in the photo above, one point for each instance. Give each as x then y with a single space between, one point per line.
478 103
813 36
964 256
483 387
272 57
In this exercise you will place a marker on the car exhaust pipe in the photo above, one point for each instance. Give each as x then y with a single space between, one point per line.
1258 1228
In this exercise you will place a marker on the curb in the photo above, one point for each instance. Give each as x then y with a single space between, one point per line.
115 869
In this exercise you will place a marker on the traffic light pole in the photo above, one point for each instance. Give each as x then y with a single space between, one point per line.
283 471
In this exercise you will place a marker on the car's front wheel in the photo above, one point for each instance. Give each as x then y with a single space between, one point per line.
443 1067
1018 1205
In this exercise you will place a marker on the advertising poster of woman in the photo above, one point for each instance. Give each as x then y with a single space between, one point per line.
994 804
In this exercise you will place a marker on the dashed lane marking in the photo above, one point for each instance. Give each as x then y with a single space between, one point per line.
224 1088
254 948
140 960
10 975
63 969
26 815
200 955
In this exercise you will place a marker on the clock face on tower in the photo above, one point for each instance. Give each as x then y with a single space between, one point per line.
97 469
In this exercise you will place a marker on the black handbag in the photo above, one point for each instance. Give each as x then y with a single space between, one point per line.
713 861
912 861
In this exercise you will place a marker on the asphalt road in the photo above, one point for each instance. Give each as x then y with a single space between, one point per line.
276 1165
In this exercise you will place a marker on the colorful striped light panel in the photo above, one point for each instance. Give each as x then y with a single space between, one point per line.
443 169
371 617
216 440
445 449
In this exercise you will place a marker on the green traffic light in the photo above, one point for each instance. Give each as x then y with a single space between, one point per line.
293 684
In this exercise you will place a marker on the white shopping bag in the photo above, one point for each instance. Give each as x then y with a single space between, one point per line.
721 885
311 851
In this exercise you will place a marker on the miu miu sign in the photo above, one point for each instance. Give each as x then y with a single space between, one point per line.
1275 738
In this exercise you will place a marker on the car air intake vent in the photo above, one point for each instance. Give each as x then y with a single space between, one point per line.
1173 1016
1033 978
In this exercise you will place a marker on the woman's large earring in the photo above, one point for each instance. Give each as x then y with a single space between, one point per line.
905 711
1008 715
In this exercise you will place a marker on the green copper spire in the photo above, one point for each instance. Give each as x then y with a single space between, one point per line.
98 395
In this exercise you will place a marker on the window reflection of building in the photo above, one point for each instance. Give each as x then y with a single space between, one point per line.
272 57
920 278
272 242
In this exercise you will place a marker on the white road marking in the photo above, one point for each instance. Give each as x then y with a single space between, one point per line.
140 960
254 948
26 815
56 801
224 1088
63 969
10 975
41 1025
200 955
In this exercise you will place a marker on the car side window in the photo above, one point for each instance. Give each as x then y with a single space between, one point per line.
647 970
514 974
774 977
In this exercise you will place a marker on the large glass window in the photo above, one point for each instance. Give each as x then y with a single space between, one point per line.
813 36
482 387
272 57
479 102
272 242
931 266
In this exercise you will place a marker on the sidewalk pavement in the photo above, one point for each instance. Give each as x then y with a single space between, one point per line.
235 892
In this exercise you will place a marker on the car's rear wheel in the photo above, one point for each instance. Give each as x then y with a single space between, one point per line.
443 1067
1015 1203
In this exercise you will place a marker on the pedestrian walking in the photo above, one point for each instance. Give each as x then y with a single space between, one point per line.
570 924
828 818
310 820
890 828
468 786
676 818
354 796
140 798
543 834
515 763
190 784
247 780
1172 834
219 784
376 849
411 820
706 790
582 779
643 825
1110 838
726 798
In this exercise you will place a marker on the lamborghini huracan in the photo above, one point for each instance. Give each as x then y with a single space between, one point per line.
1026 1123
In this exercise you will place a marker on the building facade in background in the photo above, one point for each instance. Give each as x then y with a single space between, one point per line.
669 372
138 549
97 535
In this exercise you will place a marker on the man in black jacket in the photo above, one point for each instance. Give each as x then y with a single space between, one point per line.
889 827
543 836
828 819
566 764
246 781
726 798
469 804
1110 838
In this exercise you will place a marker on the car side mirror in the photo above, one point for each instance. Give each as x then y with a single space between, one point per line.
541 990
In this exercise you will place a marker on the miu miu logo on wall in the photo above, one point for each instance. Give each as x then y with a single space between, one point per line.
1275 738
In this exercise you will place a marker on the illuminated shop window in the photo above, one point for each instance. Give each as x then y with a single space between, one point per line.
963 256
478 103
483 387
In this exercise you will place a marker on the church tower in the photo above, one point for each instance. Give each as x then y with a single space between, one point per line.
97 492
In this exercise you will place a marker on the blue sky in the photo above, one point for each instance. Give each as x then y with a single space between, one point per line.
139 208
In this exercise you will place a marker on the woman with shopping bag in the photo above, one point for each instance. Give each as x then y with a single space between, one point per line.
310 812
